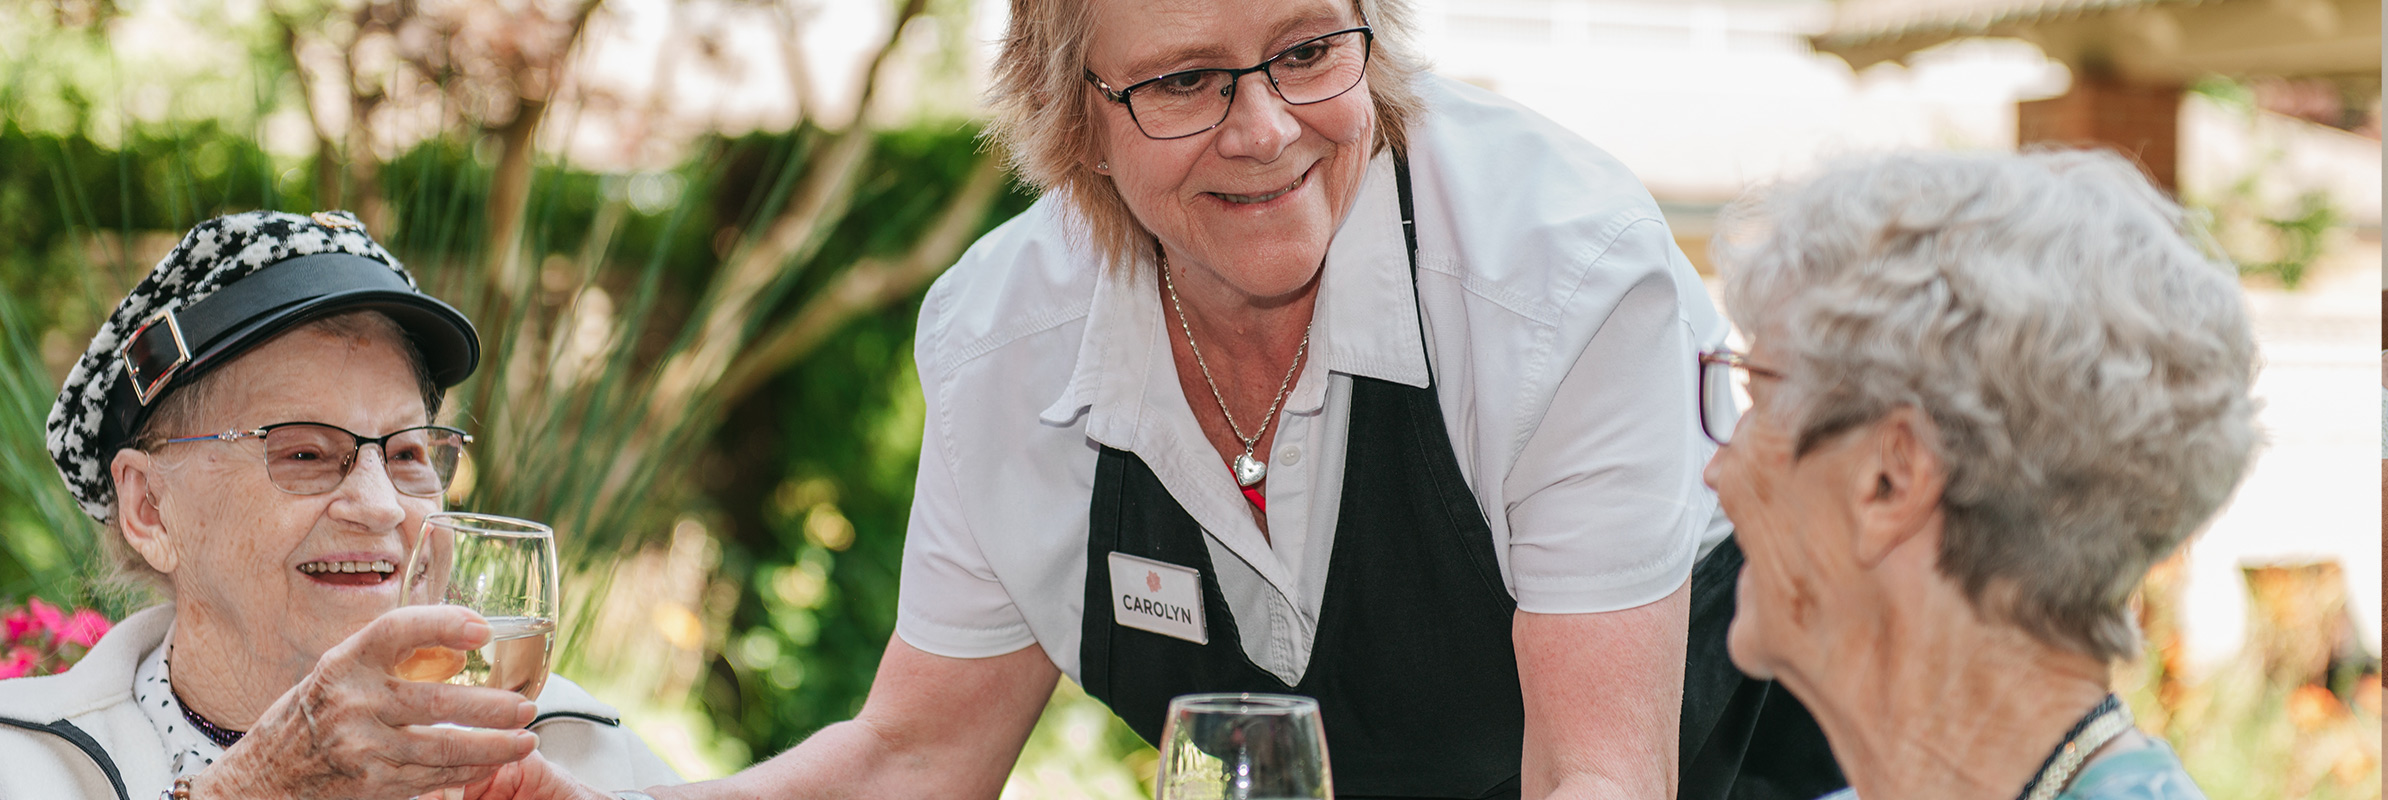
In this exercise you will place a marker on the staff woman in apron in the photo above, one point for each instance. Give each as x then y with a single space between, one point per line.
1214 415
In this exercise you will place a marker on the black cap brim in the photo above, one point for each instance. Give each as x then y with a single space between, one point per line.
450 348
275 299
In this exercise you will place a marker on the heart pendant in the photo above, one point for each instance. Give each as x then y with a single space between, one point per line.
1249 470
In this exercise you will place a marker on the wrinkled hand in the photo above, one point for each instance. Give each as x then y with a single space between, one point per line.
353 729
533 778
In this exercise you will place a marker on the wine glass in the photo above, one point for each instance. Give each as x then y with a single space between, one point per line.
502 567
1243 747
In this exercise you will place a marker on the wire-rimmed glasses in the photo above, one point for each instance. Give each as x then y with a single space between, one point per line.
1181 104
313 457
1723 393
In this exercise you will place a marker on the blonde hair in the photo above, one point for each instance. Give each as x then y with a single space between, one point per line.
1044 110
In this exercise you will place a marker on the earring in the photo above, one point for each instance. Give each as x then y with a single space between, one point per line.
1103 166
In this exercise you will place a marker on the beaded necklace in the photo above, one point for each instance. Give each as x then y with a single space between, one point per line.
2104 722
222 736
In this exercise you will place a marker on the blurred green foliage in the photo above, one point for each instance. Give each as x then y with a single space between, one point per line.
46 546
823 528
2265 234
846 434
68 206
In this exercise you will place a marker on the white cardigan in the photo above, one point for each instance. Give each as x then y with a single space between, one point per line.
77 734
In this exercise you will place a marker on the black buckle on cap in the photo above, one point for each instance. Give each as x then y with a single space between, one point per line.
148 360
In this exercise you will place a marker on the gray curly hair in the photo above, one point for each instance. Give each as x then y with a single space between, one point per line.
1044 110
2084 360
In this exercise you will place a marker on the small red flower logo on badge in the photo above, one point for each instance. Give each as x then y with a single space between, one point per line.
1152 581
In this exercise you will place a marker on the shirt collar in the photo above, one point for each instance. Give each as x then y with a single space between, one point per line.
1116 354
1365 323
187 751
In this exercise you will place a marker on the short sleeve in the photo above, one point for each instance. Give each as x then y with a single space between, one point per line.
1605 506
948 601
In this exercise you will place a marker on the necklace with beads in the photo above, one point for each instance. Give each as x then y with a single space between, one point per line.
2104 722
1248 470
222 736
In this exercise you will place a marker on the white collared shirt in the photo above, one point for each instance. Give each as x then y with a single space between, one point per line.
1563 326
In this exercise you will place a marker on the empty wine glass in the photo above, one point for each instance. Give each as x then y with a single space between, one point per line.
1243 747
502 567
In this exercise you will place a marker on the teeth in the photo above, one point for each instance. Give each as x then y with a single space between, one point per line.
1263 198
320 567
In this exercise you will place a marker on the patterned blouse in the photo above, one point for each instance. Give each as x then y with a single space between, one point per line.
189 750
2146 773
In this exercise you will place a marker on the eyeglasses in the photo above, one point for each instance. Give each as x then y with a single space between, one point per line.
1181 104
1720 408
313 458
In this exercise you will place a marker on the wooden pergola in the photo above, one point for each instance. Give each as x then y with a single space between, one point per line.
2130 59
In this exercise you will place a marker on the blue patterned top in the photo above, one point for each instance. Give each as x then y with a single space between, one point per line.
2147 773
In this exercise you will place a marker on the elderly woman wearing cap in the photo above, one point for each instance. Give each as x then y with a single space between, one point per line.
1986 393
254 426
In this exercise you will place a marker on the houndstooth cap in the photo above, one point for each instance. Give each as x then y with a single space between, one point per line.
232 283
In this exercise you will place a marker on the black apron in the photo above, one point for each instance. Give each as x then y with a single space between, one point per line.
1742 738
1412 663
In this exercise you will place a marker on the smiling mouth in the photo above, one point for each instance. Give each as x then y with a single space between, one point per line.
349 573
1248 199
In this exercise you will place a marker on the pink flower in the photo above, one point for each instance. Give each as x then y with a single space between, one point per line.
85 628
46 617
15 625
19 663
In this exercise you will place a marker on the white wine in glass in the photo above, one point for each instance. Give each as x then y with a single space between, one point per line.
1243 747
502 567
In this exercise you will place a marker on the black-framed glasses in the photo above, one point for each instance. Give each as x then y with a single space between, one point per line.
1721 391
313 457
1181 104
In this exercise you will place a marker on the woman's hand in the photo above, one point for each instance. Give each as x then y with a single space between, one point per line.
353 729
533 778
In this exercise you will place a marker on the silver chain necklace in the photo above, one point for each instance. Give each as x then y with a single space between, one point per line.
1248 470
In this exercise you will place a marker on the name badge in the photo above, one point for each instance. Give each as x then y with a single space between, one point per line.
1157 596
